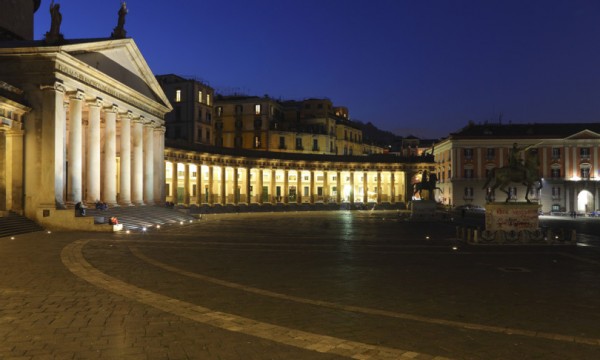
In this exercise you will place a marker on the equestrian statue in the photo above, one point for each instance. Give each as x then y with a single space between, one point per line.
526 173
428 182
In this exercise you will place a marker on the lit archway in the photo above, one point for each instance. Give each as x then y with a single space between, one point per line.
585 201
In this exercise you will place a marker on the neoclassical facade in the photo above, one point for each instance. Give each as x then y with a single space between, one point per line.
95 129
226 176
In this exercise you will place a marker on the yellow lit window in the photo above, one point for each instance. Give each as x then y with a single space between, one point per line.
207 99
199 96
257 109
177 95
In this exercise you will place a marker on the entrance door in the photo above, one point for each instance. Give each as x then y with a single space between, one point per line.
585 202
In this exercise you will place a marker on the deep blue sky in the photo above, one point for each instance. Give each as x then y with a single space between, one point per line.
411 67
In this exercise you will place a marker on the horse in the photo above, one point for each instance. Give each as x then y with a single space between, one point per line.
429 184
526 174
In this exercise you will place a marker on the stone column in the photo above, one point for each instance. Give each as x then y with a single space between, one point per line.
175 182
379 186
286 187
248 197
186 184
198 184
351 187
259 185
408 191
236 198
365 187
223 186
325 187
93 152
11 151
273 192
392 188
159 165
311 189
299 187
137 163
75 150
338 195
125 195
211 199
109 169
148 134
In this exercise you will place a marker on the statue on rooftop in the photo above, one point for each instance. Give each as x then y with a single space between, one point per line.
119 31
54 36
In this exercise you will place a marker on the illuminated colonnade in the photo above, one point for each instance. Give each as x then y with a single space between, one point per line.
203 178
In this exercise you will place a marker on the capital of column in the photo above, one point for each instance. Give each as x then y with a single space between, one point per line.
76 94
160 129
112 108
137 120
56 86
95 102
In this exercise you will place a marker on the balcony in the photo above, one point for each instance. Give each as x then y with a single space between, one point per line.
316 148
299 147
282 147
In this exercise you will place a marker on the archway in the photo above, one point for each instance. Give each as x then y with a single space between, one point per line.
585 202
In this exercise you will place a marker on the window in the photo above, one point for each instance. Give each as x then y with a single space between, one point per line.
239 109
468 173
555 153
200 96
257 123
315 145
468 193
468 154
207 135
491 154
282 142
585 173
584 152
257 109
555 173
178 95
299 144
207 99
238 141
555 193
199 114
256 142
219 111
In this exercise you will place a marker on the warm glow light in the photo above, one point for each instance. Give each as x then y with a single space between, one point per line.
127 232
144 228
347 191
454 248
49 232
158 226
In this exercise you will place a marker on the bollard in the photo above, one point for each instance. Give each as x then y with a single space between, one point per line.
475 232
469 235
574 236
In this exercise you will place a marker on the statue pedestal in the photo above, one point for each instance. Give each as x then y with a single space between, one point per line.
422 209
511 217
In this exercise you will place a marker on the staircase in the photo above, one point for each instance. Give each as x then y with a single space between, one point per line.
139 217
13 224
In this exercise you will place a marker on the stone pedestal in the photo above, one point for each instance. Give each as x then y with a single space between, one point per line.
422 209
511 217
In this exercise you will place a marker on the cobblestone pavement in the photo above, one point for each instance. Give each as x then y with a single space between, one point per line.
327 285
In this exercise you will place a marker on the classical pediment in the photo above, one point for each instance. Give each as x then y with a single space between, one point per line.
122 61
584 135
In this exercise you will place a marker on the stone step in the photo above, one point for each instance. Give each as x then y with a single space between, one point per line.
138 217
13 224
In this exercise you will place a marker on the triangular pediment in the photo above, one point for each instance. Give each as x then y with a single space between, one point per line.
584 135
122 61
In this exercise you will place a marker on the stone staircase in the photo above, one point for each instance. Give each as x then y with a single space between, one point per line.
139 217
12 224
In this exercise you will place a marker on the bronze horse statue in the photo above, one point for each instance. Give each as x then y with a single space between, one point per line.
526 174
427 183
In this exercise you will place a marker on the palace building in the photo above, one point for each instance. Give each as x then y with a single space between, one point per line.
568 157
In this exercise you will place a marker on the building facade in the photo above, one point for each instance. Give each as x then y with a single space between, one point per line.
568 157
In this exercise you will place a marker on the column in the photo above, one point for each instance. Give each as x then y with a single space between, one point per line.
286 187
175 181
325 188
259 185
236 198
272 186
159 165
379 186
109 169
365 188
338 195
137 163
75 150
299 187
209 193
351 187
93 152
408 191
223 185
53 125
248 198
148 134
392 188
13 165
198 184
125 197
186 184
311 190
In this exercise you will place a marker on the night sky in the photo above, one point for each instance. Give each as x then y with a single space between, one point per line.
411 67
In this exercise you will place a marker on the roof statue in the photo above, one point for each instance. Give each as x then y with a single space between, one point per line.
119 31
54 36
